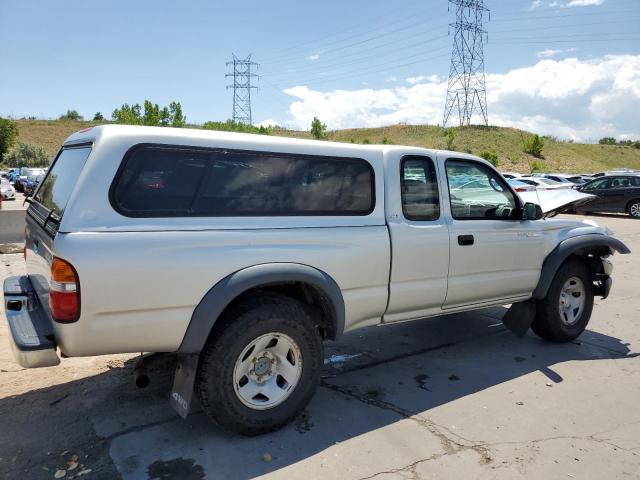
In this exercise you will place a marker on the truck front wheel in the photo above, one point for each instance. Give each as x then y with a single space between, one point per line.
261 367
565 312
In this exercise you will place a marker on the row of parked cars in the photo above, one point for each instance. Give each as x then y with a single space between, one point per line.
615 191
24 180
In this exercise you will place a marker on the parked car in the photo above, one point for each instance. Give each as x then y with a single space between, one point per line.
614 194
570 180
543 183
508 175
243 253
519 186
7 191
31 184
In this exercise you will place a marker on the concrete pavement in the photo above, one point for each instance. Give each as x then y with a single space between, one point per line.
452 397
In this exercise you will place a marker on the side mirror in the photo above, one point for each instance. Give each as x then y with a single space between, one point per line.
532 211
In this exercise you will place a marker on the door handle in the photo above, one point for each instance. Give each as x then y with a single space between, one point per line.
465 240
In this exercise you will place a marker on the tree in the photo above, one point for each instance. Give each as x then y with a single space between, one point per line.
8 134
607 141
71 115
492 158
533 146
450 138
318 129
177 118
98 117
151 115
127 115
165 117
27 155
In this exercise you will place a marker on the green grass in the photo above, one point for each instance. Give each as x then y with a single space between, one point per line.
505 142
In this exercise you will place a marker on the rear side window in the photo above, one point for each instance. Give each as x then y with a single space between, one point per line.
159 181
57 186
419 184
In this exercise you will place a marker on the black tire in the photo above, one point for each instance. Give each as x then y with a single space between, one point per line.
634 209
548 323
241 325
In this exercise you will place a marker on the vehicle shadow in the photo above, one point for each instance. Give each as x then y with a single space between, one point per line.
373 378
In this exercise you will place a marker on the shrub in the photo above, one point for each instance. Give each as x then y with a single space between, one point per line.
607 141
27 155
450 138
537 166
71 115
366 141
492 158
98 117
232 126
318 129
533 146
8 134
386 141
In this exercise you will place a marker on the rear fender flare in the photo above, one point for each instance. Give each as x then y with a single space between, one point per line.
580 245
229 288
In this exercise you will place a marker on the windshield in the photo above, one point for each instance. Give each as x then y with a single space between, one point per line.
57 186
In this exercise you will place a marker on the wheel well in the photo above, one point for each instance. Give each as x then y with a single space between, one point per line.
319 304
630 202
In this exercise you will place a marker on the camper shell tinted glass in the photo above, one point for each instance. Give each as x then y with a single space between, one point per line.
165 181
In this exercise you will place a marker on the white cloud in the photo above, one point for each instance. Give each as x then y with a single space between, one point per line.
583 3
269 122
420 78
315 56
566 3
550 52
570 98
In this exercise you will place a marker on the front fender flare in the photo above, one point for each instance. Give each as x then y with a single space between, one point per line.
226 290
575 245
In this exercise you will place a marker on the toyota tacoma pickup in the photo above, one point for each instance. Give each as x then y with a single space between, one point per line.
242 253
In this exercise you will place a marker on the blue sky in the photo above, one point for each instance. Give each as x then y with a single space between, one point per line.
354 63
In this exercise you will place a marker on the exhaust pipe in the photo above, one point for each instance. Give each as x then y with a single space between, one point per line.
141 376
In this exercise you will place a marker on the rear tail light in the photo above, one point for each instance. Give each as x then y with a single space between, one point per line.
521 189
64 292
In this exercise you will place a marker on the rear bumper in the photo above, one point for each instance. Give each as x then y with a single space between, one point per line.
32 339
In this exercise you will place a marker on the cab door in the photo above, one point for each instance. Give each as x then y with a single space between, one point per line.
495 255
419 238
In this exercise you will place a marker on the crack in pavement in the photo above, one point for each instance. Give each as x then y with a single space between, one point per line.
451 444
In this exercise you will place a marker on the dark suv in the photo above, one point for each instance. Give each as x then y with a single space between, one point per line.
615 194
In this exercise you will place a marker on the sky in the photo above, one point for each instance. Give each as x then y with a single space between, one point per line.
569 68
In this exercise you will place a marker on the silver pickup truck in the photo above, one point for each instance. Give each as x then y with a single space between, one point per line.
243 253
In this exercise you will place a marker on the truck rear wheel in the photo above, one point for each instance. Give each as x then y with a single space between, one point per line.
565 312
261 367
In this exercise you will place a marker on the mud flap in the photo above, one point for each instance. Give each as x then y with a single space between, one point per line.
183 384
519 317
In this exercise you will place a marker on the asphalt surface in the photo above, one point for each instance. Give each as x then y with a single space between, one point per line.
452 397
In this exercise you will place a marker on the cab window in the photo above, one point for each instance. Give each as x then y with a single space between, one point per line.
477 192
419 187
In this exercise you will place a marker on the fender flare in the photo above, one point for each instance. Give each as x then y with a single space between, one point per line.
574 245
229 288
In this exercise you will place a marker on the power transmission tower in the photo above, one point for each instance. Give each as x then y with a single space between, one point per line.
466 91
242 88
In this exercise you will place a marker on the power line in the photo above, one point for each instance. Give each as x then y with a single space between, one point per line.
242 88
466 89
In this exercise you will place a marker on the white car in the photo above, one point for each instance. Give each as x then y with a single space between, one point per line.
241 254
542 183
6 190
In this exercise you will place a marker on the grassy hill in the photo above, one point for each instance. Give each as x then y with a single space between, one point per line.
505 142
